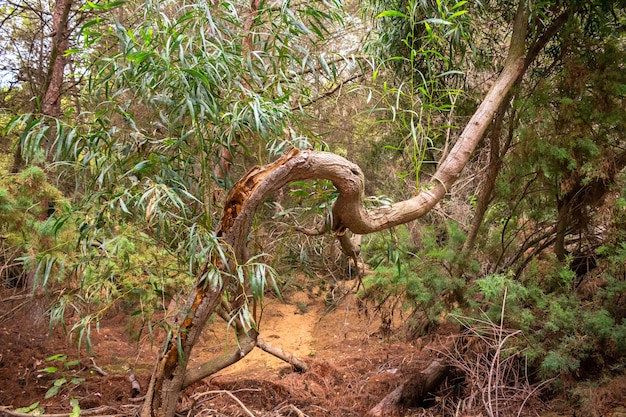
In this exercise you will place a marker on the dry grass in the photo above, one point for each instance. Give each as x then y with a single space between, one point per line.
497 383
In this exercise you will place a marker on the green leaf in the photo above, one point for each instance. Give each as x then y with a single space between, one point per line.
437 21
55 388
75 408
457 14
69 364
392 13
28 409
59 382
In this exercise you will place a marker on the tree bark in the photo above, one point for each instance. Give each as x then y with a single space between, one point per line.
415 390
50 92
245 344
51 101
486 192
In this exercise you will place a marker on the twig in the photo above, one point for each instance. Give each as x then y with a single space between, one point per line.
222 391
96 368
293 408
137 399
16 297
14 309
537 388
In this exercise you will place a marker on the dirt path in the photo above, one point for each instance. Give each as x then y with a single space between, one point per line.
352 368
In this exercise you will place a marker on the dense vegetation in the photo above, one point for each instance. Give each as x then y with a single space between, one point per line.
112 190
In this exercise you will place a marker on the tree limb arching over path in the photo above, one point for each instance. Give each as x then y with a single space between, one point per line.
170 374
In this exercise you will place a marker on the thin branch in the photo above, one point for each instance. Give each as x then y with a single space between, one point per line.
297 363
321 230
96 368
230 394
329 93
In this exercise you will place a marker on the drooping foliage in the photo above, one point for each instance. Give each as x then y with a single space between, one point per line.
174 95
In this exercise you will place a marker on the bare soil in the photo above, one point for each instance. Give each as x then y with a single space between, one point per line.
352 366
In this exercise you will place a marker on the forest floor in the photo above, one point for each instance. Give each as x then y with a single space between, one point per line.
352 365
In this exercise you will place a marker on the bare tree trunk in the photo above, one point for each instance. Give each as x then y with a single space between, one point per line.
52 88
51 101
486 192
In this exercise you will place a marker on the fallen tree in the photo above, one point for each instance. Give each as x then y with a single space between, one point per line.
413 391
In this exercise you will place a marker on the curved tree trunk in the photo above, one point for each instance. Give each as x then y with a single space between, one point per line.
349 214
498 152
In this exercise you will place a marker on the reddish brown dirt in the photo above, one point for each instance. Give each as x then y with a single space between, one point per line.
352 368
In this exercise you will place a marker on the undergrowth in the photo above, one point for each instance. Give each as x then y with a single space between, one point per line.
565 331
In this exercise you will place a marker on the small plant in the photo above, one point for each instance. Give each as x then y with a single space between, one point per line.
301 308
32 409
61 369
416 277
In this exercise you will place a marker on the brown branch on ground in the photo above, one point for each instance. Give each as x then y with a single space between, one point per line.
413 391
297 363
96 368
245 344
230 394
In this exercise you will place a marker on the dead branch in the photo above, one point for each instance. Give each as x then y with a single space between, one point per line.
96 368
245 344
297 363
413 391
231 395
293 408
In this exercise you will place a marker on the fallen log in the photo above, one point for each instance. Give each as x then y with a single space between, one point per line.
414 391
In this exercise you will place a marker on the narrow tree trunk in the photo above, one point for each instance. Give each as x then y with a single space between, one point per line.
496 154
486 192
51 101
562 223
51 91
